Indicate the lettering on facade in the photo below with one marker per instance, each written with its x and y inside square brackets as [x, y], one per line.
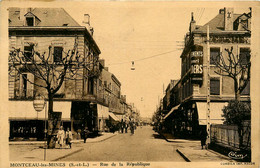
[231, 39]
[196, 66]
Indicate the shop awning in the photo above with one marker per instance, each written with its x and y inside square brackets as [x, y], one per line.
[24, 110]
[215, 112]
[103, 111]
[171, 111]
[112, 115]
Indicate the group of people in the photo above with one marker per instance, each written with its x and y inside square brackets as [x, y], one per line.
[124, 126]
[64, 138]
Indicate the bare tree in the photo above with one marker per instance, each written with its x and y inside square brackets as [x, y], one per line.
[51, 72]
[235, 67]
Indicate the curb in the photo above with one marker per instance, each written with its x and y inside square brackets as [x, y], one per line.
[182, 155]
[43, 142]
[81, 149]
[163, 137]
[102, 139]
[69, 154]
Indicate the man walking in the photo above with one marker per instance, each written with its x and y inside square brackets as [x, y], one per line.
[69, 137]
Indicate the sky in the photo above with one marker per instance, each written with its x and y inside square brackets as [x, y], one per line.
[149, 34]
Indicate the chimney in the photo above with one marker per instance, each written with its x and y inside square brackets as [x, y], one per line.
[23, 11]
[86, 19]
[221, 11]
[192, 23]
[91, 29]
[228, 18]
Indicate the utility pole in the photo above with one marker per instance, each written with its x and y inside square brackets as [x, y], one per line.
[208, 90]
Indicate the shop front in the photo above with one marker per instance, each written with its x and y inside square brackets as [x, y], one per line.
[191, 117]
[26, 123]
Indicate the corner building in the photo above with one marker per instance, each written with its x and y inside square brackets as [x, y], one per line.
[226, 30]
[77, 100]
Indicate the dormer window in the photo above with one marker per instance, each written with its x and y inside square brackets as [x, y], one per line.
[30, 21]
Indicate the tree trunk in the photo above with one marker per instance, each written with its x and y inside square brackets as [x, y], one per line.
[51, 128]
[237, 92]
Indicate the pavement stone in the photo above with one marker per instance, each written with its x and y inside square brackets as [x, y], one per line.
[34, 150]
[191, 151]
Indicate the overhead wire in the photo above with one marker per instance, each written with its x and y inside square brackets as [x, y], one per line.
[201, 15]
[145, 57]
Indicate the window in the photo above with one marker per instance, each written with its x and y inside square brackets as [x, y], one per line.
[244, 23]
[244, 56]
[30, 21]
[28, 53]
[24, 85]
[57, 54]
[246, 90]
[214, 55]
[214, 86]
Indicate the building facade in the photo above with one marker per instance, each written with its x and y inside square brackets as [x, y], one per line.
[226, 30]
[52, 30]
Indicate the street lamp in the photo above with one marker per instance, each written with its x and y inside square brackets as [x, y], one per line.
[39, 104]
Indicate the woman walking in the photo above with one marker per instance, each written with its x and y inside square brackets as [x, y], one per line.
[60, 136]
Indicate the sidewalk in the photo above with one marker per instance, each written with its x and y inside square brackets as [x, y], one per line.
[191, 151]
[34, 151]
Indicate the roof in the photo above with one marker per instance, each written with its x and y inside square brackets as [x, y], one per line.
[46, 16]
[216, 24]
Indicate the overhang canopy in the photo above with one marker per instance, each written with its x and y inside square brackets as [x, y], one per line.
[171, 111]
[215, 112]
[24, 110]
[112, 115]
[103, 112]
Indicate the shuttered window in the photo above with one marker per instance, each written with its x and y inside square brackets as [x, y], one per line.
[28, 53]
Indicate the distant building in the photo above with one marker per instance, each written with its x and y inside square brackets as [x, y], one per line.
[189, 94]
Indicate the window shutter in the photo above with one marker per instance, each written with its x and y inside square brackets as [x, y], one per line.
[30, 86]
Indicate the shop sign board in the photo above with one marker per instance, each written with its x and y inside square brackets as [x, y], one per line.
[196, 66]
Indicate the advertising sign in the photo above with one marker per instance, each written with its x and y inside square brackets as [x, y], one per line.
[196, 66]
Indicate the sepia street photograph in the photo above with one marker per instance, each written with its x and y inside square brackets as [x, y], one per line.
[129, 84]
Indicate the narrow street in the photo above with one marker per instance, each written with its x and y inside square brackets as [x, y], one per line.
[144, 145]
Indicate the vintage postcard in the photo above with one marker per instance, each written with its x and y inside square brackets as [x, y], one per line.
[129, 84]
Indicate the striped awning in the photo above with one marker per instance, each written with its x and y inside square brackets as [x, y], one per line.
[113, 116]
[215, 112]
[171, 111]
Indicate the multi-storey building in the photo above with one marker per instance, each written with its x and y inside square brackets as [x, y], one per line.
[226, 30]
[77, 99]
[111, 93]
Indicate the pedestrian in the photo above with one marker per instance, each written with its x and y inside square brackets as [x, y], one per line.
[132, 128]
[122, 127]
[126, 126]
[203, 136]
[60, 137]
[69, 137]
[85, 134]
